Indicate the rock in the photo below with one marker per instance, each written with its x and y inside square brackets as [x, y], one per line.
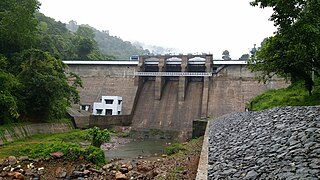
[57, 154]
[12, 160]
[124, 170]
[130, 167]
[107, 167]
[23, 158]
[77, 174]
[251, 175]
[61, 172]
[86, 172]
[15, 175]
[120, 176]
[280, 142]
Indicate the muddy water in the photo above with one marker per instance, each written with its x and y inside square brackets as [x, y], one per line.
[125, 148]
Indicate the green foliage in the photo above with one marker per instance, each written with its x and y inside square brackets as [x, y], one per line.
[294, 95]
[174, 148]
[17, 25]
[8, 100]
[113, 47]
[98, 136]
[226, 55]
[175, 173]
[42, 145]
[56, 39]
[46, 92]
[95, 155]
[293, 52]
[33, 84]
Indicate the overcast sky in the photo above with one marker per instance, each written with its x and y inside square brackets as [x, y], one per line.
[191, 26]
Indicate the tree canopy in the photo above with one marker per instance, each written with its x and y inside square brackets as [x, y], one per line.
[293, 52]
[226, 55]
[33, 84]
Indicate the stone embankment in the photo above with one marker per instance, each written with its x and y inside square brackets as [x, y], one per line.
[279, 143]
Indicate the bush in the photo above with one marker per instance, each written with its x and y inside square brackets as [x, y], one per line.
[95, 155]
[174, 148]
[98, 136]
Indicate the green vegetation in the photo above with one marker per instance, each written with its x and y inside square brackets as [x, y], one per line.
[112, 46]
[41, 145]
[34, 85]
[98, 136]
[174, 148]
[185, 148]
[293, 52]
[176, 173]
[294, 95]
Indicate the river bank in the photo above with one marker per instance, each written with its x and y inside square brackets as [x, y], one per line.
[181, 165]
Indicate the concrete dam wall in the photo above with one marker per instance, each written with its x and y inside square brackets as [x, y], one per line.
[168, 113]
[106, 80]
[233, 87]
[171, 104]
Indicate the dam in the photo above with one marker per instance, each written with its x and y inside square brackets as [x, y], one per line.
[168, 92]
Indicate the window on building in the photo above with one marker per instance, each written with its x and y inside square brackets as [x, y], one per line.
[85, 107]
[109, 101]
[108, 111]
[119, 102]
[99, 111]
[119, 112]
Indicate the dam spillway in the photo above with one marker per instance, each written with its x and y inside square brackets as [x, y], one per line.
[168, 113]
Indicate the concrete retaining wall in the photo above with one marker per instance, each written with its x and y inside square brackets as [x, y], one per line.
[108, 122]
[17, 132]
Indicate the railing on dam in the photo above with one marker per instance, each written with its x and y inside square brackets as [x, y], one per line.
[192, 74]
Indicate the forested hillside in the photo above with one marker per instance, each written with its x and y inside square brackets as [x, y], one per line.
[110, 45]
[55, 38]
[82, 42]
[33, 83]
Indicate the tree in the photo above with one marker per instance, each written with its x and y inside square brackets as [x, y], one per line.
[244, 57]
[17, 25]
[45, 90]
[226, 55]
[253, 51]
[293, 52]
[8, 100]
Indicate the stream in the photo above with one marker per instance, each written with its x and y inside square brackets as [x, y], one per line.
[126, 148]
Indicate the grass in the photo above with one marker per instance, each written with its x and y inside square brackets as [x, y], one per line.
[41, 145]
[294, 95]
[184, 148]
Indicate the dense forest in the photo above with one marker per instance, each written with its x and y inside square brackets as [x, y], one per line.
[111, 45]
[82, 42]
[33, 83]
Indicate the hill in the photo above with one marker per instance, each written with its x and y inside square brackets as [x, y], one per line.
[111, 45]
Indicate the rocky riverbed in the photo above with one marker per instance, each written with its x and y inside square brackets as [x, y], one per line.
[178, 166]
[279, 143]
